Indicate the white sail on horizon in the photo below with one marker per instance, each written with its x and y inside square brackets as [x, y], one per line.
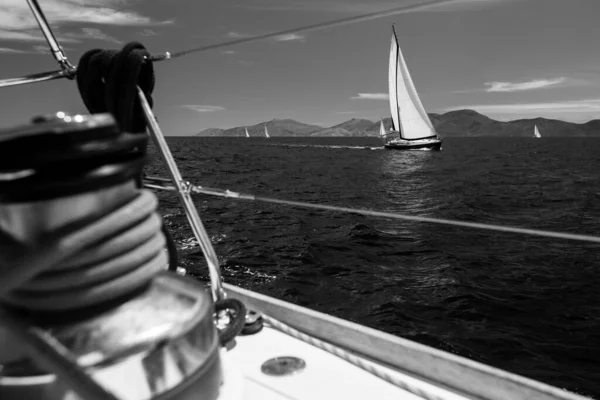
[267, 132]
[247, 134]
[409, 117]
[381, 129]
[536, 132]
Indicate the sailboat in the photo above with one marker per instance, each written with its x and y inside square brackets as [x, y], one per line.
[267, 133]
[88, 310]
[536, 132]
[382, 133]
[411, 127]
[247, 134]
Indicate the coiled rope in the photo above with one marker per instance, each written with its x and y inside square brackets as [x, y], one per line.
[107, 81]
[87, 265]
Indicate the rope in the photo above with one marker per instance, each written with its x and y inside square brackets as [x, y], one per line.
[353, 359]
[93, 263]
[237, 319]
[107, 81]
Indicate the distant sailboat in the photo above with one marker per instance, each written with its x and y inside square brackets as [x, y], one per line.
[536, 132]
[247, 134]
[381, 129]
[409, 119]
[267, 132]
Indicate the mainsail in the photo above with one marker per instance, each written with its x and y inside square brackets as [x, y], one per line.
[381, 129]
[247, 134]
[267, 132]
[536, 132]
[409, 118]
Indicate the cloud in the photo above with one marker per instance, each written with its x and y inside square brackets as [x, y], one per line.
[18, 23]
[522, 86]
[282, 38]
[9, 35]
[571, 109]
[290, 37]
[10, 50]
[200, 108]
[37, 49]
[237, 35]
[43, 49]
[228, 52]
[535, 84]
[371, 96]
[148, 32]
[96, 34]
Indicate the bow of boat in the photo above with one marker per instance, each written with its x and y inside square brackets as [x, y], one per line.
[319, 356]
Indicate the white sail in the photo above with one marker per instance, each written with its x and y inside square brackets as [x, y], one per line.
[247, 134]
[536, 132]
[267, 132]
[408, 115]
[381, 129]
[392, 79]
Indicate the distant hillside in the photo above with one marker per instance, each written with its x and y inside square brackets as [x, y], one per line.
[471, 123]
[462, 123]
[333, 131]
[355, 126]
[211, 132]
[276, 127]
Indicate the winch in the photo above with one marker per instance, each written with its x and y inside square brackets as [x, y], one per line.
[83, 269]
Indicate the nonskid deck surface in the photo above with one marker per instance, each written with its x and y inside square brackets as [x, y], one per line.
[325, 376]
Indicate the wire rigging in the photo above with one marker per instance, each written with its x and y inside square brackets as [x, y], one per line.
[308, 28]
[382, 214]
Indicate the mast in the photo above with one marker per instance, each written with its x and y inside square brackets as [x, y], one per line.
[392, 82]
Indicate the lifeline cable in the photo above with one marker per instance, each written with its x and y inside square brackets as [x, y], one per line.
[476, 225]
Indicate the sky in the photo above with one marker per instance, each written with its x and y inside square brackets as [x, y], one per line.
[507, 59]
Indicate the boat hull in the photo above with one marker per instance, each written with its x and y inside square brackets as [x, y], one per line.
[427, 144]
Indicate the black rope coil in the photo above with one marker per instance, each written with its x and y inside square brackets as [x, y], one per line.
[237, 315]
[107, 81]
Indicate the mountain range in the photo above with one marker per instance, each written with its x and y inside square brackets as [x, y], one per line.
[466, 123]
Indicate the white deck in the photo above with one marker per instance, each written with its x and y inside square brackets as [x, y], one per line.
[324, 377]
